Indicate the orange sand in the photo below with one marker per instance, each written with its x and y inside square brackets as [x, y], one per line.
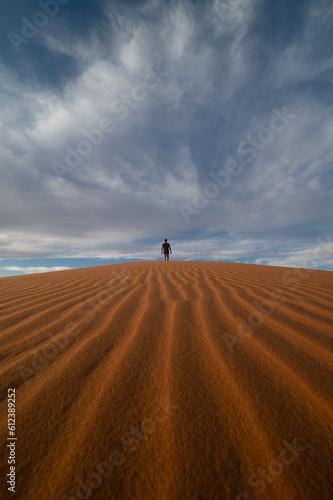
[145, 367]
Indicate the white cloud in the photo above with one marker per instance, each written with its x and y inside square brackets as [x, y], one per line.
[299, 61]
[316, 257]
[229, 16]
[34, 270]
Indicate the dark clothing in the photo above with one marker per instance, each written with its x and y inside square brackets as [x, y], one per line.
[166, 248]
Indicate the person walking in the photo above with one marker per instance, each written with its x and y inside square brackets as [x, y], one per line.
[165, 248]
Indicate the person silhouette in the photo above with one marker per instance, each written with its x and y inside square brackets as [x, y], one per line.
[165, 248]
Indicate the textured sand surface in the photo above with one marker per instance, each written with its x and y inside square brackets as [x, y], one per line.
[159, 380]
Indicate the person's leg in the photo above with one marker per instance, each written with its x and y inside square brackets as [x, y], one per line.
[167, 256]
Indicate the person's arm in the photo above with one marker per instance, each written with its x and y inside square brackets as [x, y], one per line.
[161, 249]
[170, 249]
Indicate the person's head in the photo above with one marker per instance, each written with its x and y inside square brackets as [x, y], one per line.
[165, 240]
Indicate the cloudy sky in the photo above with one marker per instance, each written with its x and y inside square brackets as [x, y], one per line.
[122, 123]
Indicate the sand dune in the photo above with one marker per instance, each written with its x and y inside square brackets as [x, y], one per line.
[178, 380]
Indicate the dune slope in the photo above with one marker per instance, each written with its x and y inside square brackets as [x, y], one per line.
[177, 380]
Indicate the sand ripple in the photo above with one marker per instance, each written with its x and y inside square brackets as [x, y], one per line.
[178, 380]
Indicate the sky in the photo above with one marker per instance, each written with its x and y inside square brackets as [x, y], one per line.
[127, 122]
